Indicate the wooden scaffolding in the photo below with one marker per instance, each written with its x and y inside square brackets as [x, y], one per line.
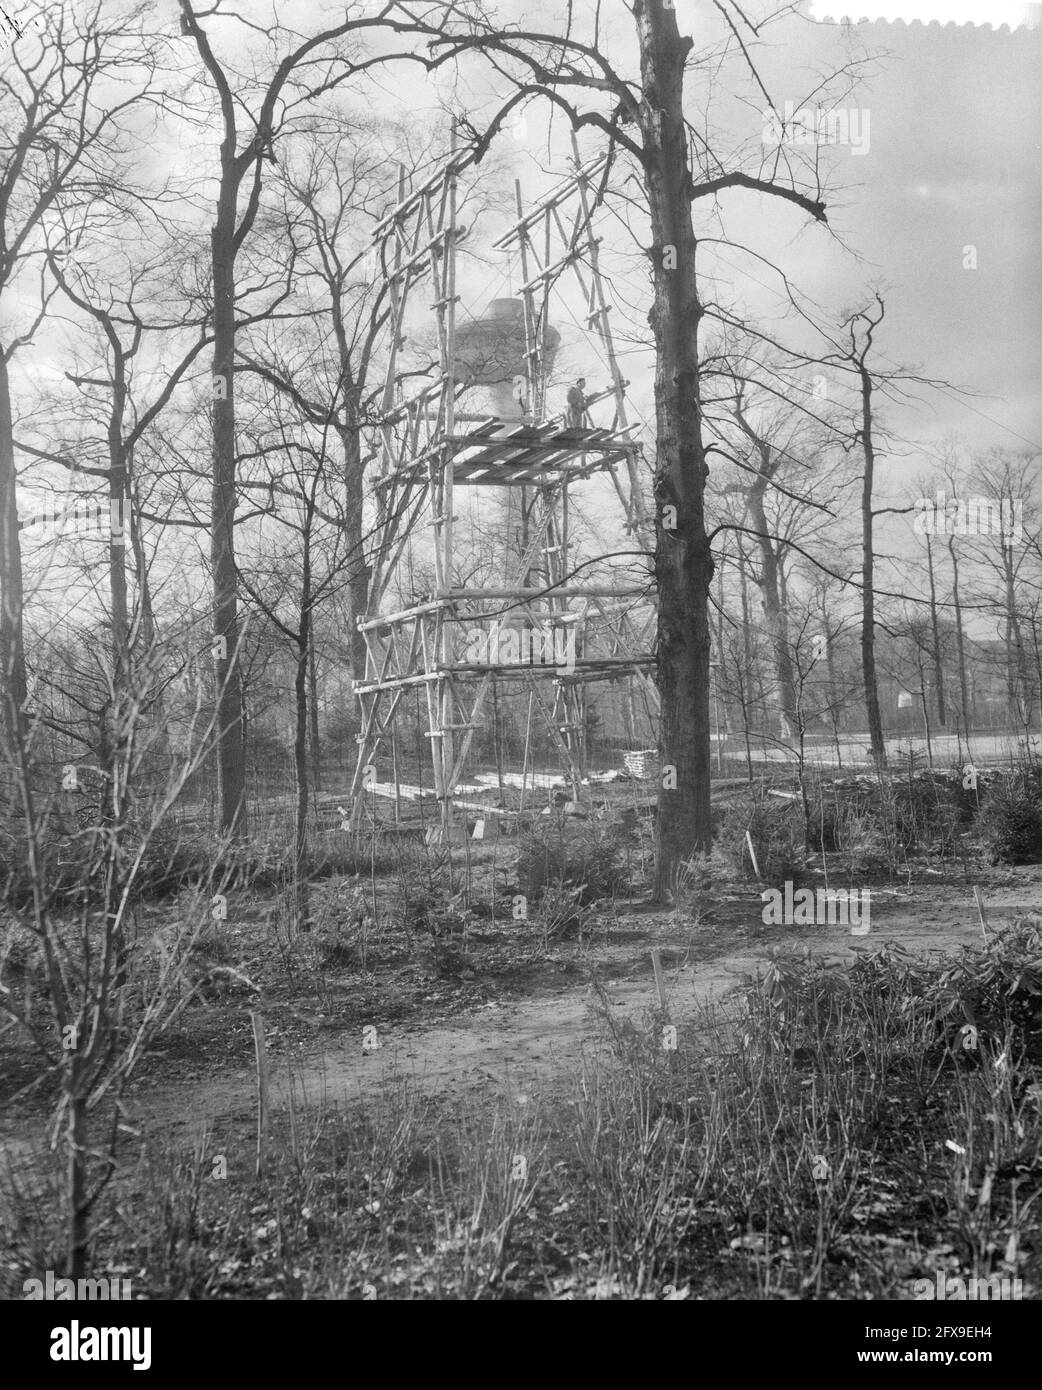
[545, 628]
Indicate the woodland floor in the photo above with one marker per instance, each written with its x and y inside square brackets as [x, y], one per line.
[483, 1021]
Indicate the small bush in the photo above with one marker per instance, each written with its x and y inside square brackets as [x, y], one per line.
[778, 834]
[1011, 819]
[565, 852]
[995, 989]
[929, 809]
[560, 912]
[172, 859]
[828, 822]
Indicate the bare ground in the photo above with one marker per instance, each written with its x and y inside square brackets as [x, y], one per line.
[505, 1045]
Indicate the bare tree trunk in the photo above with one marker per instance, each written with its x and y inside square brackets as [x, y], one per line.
[935, 633]
[301, 865]
[745, 728]
[771, 580]
[747, 640]
[1019, 709]
[683, 560]
[113, 717]
[868, 599]
[316, 751]
[831, 683]
[76, 1134]
[769, 584]
[12, 597]
[960, 641]
[926, 718]
[359, 573]
[720, 656]
[117, 481]
[300, 766]
[231, 768]
[1036, 650]
[144, 586]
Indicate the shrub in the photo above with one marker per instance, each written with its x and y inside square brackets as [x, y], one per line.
[828, 821]
[844, 818]
[172, 859]
[778, 834]
[929, 809]
[561, 913]
[995, 989]
[585, 856]
[1011, 818]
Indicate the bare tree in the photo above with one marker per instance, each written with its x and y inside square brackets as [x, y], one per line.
[643, 117]
[305, 507]
[999, 517]
[62, 136]
[861, 327]
[311, 67]
[65, 928]
[123, 411]
[333, 186]
[780, 459]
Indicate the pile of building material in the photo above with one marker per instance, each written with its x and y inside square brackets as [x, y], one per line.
[642, 763]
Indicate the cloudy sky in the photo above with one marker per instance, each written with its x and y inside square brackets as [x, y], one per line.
[936, 198]
[933, 193]
[954, 119]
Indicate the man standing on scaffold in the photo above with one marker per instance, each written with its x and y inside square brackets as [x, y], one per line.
[577, 405]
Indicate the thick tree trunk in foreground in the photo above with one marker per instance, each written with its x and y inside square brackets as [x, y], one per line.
[683, 562]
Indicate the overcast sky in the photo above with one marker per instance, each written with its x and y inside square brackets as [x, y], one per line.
[943, 174]
[937, 201]
[954, 116]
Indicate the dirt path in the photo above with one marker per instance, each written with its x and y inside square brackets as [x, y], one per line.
[504, 1047]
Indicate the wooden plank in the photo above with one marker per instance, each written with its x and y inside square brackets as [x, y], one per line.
[522, 227]
[547, 780]
[482, 807]
[564, 591]
[410, 793]
[549, 439]
[391, 619]
[394, 682]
